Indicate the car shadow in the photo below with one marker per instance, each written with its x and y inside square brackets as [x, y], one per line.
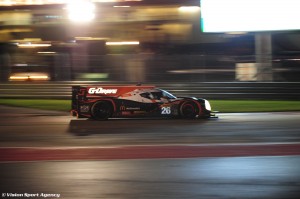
[85, 127]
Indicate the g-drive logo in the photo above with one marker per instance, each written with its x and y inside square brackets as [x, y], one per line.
[102, 91]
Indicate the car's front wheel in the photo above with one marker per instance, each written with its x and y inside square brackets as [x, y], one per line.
[101, 110]
[188, 110]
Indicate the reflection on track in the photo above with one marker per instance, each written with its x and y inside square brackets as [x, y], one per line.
[207, 178]
[125, 126]
[229, 128]
[32, 128]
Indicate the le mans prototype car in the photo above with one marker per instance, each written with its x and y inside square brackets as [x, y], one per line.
[103, 102]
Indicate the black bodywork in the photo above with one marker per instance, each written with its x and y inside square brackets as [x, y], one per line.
[160, 104]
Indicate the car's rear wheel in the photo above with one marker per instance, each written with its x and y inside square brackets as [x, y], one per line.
[188, 110]
[101, 110]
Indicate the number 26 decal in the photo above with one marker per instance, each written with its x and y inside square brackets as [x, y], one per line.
[165, 110]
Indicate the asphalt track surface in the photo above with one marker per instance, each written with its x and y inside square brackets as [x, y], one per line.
[242, 155]
[274, 177]
[32, 134]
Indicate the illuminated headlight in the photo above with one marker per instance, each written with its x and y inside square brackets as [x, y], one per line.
[207, 105]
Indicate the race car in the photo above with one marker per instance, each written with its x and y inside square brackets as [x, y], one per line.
[114, 101]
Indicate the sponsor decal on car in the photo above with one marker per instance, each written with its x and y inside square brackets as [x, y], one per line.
[102, 91]
[84, 108]
[133, 108]
[124, 108]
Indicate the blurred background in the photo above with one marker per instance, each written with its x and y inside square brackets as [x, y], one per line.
[133, 41]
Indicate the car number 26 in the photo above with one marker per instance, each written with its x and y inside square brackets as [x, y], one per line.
[165, 110]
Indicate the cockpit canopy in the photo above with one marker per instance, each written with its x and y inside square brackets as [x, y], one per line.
[157, 94]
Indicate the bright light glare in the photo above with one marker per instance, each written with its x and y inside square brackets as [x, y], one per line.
[7, 3]
[249, 15]
[35, 77]
[81, 11]
[46, 52]
[189, 9]
[30, 45]
[38, 77]
[121, 6]
[18, 77]
[120, 43]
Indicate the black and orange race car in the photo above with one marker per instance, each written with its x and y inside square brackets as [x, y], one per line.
[114, 101]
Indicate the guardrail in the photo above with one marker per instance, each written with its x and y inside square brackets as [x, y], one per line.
[208, 90]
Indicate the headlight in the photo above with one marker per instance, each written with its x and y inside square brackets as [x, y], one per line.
[207, 105]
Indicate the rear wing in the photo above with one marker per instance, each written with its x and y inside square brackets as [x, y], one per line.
[78, 94]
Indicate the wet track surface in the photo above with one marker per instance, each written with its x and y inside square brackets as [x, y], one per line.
[240, 177]
[236, 156]
[28, 127]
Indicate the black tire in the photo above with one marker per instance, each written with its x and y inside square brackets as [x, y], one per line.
[188, 110]
[101, 110]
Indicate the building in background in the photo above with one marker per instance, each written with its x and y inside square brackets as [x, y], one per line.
[138, 40]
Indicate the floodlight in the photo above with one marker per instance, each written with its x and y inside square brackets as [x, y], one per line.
[81, 11]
